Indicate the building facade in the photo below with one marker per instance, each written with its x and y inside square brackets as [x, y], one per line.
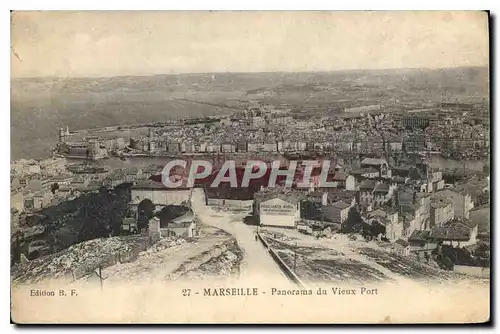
[280, 210]
[159, 194]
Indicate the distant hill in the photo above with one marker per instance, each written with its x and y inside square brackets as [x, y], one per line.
[40, 105]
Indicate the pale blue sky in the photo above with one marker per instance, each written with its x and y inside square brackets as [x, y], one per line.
[135, 43]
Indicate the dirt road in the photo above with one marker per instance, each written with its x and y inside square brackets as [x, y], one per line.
[257, 264]
[158, 265]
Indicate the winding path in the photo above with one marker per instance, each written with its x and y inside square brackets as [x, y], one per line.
[257, 264]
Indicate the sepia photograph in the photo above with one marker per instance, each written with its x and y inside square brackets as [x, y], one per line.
[250, 167]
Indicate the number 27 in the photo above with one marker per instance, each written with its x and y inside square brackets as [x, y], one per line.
[186, 292]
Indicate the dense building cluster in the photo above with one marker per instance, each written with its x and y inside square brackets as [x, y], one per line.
[462, 133]
[389, 203]
[371, 132]
[382, 189]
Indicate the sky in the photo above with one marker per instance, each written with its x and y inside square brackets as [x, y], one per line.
[100, 44]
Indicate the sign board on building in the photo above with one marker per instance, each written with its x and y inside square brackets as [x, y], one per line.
[277, 207]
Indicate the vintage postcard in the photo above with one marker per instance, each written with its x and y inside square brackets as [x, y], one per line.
[256, 167]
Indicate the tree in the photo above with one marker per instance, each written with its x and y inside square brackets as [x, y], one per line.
[145, 210]
[373, 230]
[16, 250]
[171, 212]
[427, 257]
[447, 262]
[63, 238]
[482, 255]
[94, 219]
[309, 210]
[54, 187]
[354, 222]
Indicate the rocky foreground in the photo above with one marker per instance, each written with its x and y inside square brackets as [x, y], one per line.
[213, 253]
[78, 258]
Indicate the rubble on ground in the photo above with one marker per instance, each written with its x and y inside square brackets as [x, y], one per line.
[356, 237]
[276, 235]
[221, 262]
[85, 254]
[350, 256]
[163, 244]
[340, 238]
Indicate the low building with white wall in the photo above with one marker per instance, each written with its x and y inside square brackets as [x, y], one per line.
[232, 199]
[183, 226]
[159, 194]
[278, 209]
